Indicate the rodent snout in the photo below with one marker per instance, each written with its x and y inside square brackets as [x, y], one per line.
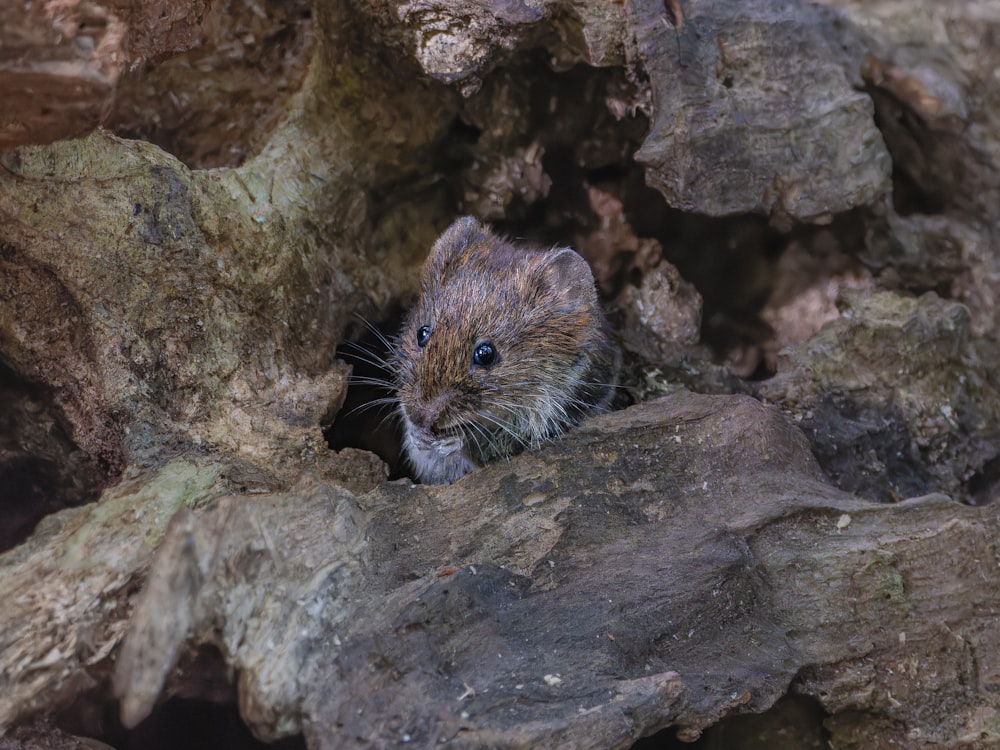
[426, 415]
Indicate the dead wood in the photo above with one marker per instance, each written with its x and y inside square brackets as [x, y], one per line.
[668, 564]
[799, 192]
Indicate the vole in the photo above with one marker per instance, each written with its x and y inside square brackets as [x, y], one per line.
[506, 348]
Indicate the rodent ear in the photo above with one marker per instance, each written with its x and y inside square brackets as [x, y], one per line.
[569, 275]
[453, 242]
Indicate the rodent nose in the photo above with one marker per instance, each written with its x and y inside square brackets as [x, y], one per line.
[427, 414]
[421, 419]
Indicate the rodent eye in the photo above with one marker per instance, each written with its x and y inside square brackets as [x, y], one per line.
[485, 354]
[423, 333]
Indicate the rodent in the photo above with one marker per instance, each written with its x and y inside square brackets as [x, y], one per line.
[506, 348]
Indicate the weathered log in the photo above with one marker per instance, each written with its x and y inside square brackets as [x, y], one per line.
[67, 591]
[897, 397]
[736, 126]
[668, 564]
[664, 566]
[62, 61]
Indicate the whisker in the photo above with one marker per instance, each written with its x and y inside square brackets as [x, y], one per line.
[367, 380]
[392, 415]
[473, 437]
[505, 427]
[481, 436]
[358, 353]
[367, 406]
[374, 330]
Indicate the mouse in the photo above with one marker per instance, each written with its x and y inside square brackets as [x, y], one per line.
[506, 348]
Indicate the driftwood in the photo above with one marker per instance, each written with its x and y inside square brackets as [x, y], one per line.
[696, 564]
[168, 365]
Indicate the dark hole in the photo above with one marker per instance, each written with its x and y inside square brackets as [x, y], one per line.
[916, 188]
[983, 487]
[41, 469]
[455, 150]
[614, 173]
[908, 198]
[200, 714]
[26, 485]
[732, 262]
[199, 725]
[366, 420]
[795, 722]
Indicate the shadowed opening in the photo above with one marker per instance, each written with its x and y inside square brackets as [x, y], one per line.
[42, 470]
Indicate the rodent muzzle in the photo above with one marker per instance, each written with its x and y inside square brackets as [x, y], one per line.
[427, 415]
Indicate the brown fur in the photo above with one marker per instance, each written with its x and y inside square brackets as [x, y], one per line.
[556, 361]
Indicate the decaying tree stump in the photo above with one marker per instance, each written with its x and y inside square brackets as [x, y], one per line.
[804, 193]
[696, 564]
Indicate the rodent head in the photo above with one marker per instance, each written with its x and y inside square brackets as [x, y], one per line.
[497, 353]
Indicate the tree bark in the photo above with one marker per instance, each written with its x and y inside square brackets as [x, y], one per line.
[168, 364]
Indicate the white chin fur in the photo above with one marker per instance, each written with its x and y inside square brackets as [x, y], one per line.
[435, 461]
